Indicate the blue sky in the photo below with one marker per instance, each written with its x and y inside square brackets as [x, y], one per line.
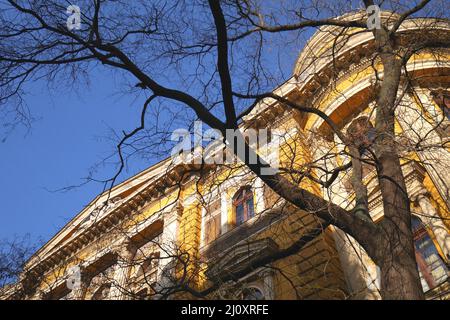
[65, 141]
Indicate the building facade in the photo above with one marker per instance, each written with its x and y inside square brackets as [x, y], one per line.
[186, 230]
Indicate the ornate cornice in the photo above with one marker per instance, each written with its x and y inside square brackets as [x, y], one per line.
[240, 256]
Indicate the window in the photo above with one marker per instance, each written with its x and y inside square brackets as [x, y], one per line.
[212, 228]
[243, 205]
[252, 293]
[212, 221]
[432, 268]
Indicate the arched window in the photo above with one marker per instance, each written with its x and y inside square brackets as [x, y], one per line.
[432, 268]
[252, 293]
[243, 205]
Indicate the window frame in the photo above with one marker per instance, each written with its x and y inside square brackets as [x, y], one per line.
[212, 221]
[241, 198]
[420, 233]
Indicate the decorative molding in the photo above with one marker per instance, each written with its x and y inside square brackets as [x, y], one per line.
[240, 256]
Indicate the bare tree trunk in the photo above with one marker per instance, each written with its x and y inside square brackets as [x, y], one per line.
[396, 259]
[399, 276]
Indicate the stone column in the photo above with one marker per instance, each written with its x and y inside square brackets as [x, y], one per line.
[124, 258]
[224, 205]
[203, 226]
[169, 242]
[432, 220]
[78, 293]
[77, 281]
[351, 254]
[436, 160]
[336, 193]
[268, 285]
[259, 195]
[354, 261]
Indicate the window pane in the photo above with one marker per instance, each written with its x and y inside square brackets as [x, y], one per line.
[432, 269]
[436, 266]
[425, 286]
[243, 205]
[212, 228]
[217, 224]
[240, 214]
[250, 209]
